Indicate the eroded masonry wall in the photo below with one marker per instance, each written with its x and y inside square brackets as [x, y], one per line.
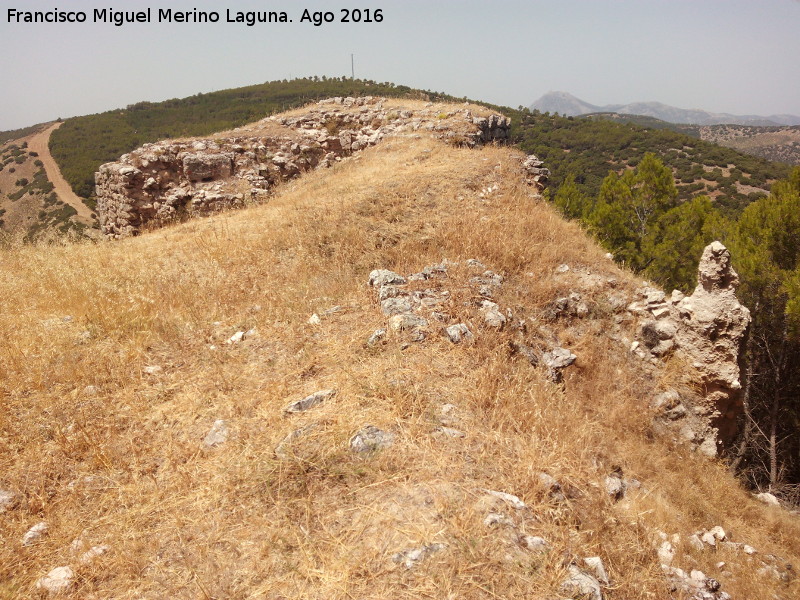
[170, 180]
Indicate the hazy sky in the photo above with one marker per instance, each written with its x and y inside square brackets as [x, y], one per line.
[723, 56]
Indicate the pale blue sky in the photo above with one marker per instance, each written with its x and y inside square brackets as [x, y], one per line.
[722, 56]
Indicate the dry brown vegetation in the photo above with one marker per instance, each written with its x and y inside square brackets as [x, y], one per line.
[124, 466]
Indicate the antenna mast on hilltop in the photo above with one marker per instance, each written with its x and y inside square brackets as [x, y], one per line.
[352, 68]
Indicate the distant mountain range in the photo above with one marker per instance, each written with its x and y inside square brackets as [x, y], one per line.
[567, 104]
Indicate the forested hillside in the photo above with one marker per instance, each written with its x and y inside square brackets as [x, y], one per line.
[587, 149]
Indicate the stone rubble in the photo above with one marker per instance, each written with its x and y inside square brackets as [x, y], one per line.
[370, 439]
[35, 534]
[309, 401]
[706, 329]
[217, 435]
[580, 585]
[168, 180]
[411, 557]
[7, 500]
[57, 581]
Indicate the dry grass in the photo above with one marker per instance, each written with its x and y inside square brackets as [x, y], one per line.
[125, 467]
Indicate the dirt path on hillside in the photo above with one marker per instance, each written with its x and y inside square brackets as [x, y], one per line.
[39, 144]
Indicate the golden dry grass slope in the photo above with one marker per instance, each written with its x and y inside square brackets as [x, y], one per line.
[104, 413]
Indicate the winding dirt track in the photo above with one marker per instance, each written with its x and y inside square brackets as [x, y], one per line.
[39, 144]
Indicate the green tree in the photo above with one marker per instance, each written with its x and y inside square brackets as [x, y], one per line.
[628, 208]
[765, 246]
[570, 200]
[674, 250]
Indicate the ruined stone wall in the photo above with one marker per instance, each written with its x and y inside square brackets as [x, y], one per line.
[170, 180]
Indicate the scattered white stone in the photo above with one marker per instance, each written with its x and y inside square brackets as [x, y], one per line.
[493, 519]
[7, 500]
[562, 268]
[457, 333]
[236, 338]
[615, 487]
[370, 438]
[378, 336]
[381, 277]
[768, 499]
[558, 358]
[309, 401]
[695, 542]
[718, 533]
[505, 497]
[698, 576]
[90, 390]
[450, 432]
[406, 322]
[666, 553]
[535, 543]
[492, 315]
[749, 550]
[411, 557]
[581, 585]
[92, 553]
[57, 581]
[397, 305]
[708, 538]
[595, 563]
[35, 534]
[609, 256]
[314, 319]
[152, 369]
[218, 434]
[475, 263]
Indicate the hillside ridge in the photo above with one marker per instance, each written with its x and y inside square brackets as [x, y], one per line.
[403, 376]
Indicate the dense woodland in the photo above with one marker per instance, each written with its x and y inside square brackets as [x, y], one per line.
[654, 197]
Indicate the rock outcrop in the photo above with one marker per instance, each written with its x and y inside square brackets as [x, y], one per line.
[161, 182]
[706, 329]
[712, 323]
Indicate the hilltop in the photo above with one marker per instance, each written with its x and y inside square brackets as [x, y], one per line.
[588, 150]
[404, 376]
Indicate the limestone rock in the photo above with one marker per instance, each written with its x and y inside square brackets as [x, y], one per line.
[7, 500]
[492, 315]
[93, 553]
[378, 336]
[711, 324]
[506, 497]
[370, 438]
[381, 277]
[458, 333]
[595, 564]
[579, 585]
[396, 306]
[57, 581]
[411, 557]
[309, 401]
[217, 435]
[764, 497]
[558, 358]
[407, 322]
[35, 534]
